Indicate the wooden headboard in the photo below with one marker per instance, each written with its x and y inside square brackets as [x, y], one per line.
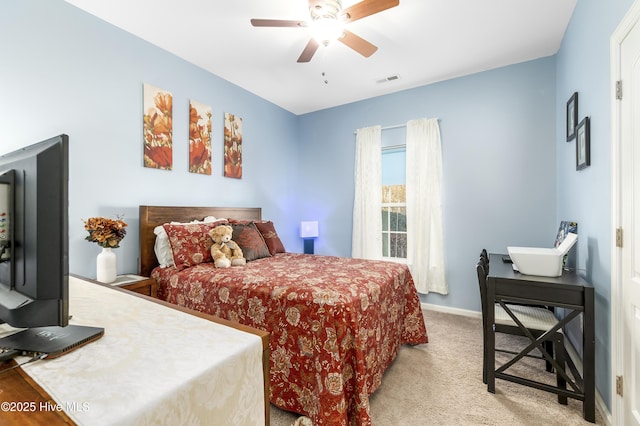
[152, 216]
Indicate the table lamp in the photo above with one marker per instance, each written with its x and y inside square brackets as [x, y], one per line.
[308, 232]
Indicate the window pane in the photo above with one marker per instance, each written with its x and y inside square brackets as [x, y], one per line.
[402, 219]
[393, 166]
[385, 244]
[393, 244]
[398, 245]
[385, 218]
[386, 194]
[397, 219]
[393, 226]
[402, 246]
[393, 194]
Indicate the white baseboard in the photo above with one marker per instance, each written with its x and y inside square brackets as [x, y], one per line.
[449, 310]
[600, 405]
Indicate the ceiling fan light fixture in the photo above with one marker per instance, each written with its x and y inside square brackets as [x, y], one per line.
[327, 21]
[325, 30]
[325, 9]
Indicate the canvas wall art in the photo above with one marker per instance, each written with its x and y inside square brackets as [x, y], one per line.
[199, 138]
[158, 128]
[232, 146]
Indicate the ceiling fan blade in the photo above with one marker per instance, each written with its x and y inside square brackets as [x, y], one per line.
[277, 23]
[358, 44]
[367, 7]
[309, 51]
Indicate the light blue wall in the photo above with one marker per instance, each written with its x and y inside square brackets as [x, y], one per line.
[583, 66]
[64, 71]
[498, 140]
[509, 175]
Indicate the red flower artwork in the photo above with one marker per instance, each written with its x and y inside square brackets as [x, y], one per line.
[159, 157]
[158, 128]
[199, 138]
[232, 146]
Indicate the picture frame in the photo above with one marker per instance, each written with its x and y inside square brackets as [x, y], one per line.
[572, 116]
[583, 144]
[565, 227]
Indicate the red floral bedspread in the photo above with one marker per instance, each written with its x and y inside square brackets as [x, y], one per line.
[336, 324]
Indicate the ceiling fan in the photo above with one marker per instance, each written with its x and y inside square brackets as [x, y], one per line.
[327, 22]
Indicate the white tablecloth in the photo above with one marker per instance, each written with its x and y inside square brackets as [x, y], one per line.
[153, 366]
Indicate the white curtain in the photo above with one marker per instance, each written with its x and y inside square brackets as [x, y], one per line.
[425, 243]
[366, 242]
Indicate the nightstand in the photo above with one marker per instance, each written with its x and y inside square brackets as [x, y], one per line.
[137, 284]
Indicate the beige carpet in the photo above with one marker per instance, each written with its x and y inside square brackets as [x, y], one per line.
[440, 383]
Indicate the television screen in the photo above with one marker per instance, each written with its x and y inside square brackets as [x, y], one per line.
[34, 244]
[6, 232]
[34, 235]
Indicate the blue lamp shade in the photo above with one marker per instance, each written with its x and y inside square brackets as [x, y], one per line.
[309, 229]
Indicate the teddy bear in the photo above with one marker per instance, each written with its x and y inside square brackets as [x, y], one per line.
[224, 250]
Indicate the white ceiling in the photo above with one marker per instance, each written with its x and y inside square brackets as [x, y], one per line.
[421, 41]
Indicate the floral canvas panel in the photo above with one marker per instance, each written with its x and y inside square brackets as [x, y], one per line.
[158, 128]
[232, 146]
[199, 138]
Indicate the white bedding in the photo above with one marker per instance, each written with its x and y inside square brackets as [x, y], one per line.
[153, 366]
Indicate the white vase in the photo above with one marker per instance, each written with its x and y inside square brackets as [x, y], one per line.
[106, 266]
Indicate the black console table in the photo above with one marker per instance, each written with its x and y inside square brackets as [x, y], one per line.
[567, 291]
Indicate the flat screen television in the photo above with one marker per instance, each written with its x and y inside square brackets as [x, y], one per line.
[34, 237]
[34, 264]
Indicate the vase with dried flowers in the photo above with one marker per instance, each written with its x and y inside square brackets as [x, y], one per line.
[107, 233]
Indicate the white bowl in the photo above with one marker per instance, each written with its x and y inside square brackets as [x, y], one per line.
[545, 262]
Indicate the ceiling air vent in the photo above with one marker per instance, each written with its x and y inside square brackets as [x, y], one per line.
[388, 79]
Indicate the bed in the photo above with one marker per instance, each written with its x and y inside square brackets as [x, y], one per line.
[335, 324]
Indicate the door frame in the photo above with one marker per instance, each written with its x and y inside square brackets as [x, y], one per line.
[631, 18]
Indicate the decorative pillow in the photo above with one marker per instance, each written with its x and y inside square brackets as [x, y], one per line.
[162, 247]
[250, 241]
[270, 236]
[190, 243]
[240, 221]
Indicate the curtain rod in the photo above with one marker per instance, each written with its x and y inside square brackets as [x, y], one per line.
[402, 145]
[396, 126]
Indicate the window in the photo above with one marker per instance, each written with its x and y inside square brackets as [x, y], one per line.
[394, 214]
[394, 222]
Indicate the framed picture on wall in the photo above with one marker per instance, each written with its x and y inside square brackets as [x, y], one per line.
[572, 116]
[583, 144]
